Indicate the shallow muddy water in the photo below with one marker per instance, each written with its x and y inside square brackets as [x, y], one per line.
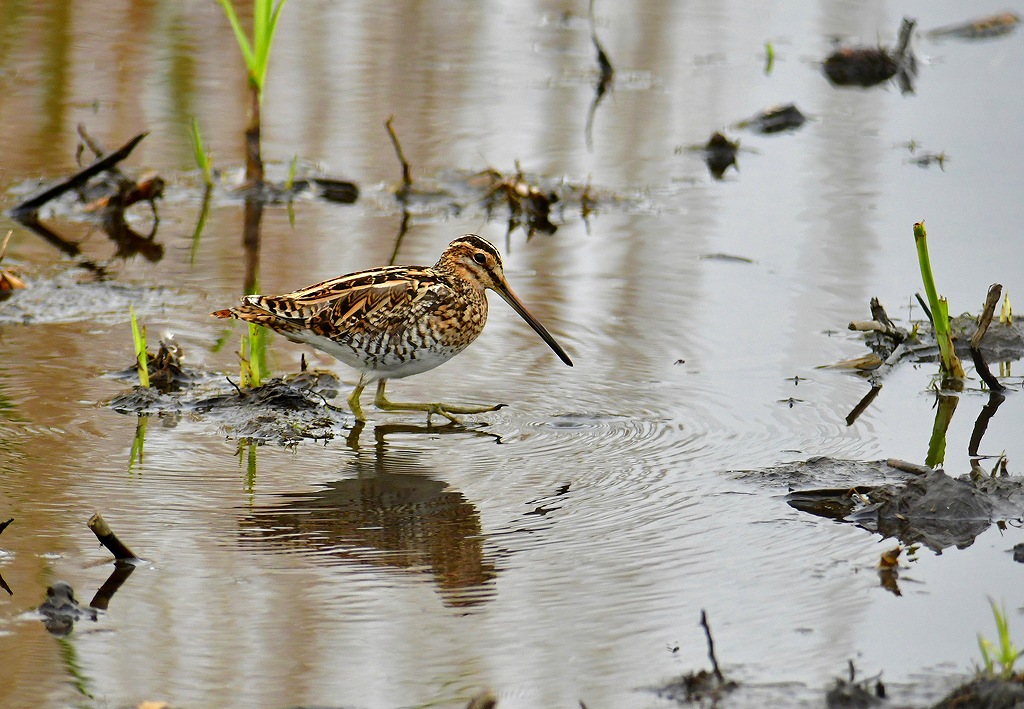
[561, 549]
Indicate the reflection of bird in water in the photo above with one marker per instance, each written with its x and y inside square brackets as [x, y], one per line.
[61, 610]
[396, 321]
[388, 519]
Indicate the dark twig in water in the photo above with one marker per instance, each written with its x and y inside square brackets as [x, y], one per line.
[122, 570]
[604, 81]
[88, 142]
[402, 229]
[863, 404]
[607, 70]
[107, 538]
[995, 398]
[924, 306]
[406, 171]
[711, 646]
[984, 320]
[27, 209]
[4, 525]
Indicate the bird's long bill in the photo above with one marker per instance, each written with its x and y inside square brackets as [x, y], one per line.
[506, 293]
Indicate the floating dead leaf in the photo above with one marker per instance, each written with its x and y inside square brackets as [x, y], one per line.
[890, 559]
[982, 28]
[775, 119]
[8, 281]
[865, 363]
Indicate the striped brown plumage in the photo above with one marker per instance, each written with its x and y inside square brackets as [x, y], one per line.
[393, 322]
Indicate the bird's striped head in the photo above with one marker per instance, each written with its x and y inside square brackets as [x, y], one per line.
[478, 261]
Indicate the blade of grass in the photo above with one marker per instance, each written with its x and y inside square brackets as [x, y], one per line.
[201, 156]
[243, 41]
[949, 362]
[257, 53]
[290, 181]
[139, 339]
[257, 352]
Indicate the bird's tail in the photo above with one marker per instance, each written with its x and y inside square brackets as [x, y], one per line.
[250, 312]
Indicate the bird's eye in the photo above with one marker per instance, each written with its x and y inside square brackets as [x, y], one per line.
[480, 258]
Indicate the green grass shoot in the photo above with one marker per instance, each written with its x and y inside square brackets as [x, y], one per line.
[949, 363]
[203, 161]
[292, 167]
[999, 660]
[253, 357]
[769, 58]
[141, 358]
[1006, 314]
[257, 53]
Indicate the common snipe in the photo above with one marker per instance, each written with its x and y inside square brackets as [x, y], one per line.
[397, 321]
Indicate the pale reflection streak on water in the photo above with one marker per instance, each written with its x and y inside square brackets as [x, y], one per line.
[557, 552]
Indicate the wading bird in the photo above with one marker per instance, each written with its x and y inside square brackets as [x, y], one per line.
[393, 322]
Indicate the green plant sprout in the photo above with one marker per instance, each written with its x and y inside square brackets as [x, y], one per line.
[252, 357]
[1006, 313]
[203, 161]
[257, 53]
[266, 13]
[141, 358]
[289, 183]
[949, 363]
[769, 58]
[998, 661]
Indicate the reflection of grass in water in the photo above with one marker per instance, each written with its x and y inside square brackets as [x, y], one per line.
[9, 414]
[248, 452]
[8, 411]
[943, 417]
[204, 212]
[138, 443]
[69, 654]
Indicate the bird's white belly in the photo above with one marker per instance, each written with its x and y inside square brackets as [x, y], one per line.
[378, 360]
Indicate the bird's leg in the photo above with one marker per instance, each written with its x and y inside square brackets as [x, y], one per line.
[441, 409]
[353, 400]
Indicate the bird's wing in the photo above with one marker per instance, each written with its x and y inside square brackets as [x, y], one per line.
[382, 300]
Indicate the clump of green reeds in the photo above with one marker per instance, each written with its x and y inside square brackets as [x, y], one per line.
[949, 363]
[141, 358]
[999, 661]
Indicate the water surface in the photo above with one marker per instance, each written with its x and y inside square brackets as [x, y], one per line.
[560, 549]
